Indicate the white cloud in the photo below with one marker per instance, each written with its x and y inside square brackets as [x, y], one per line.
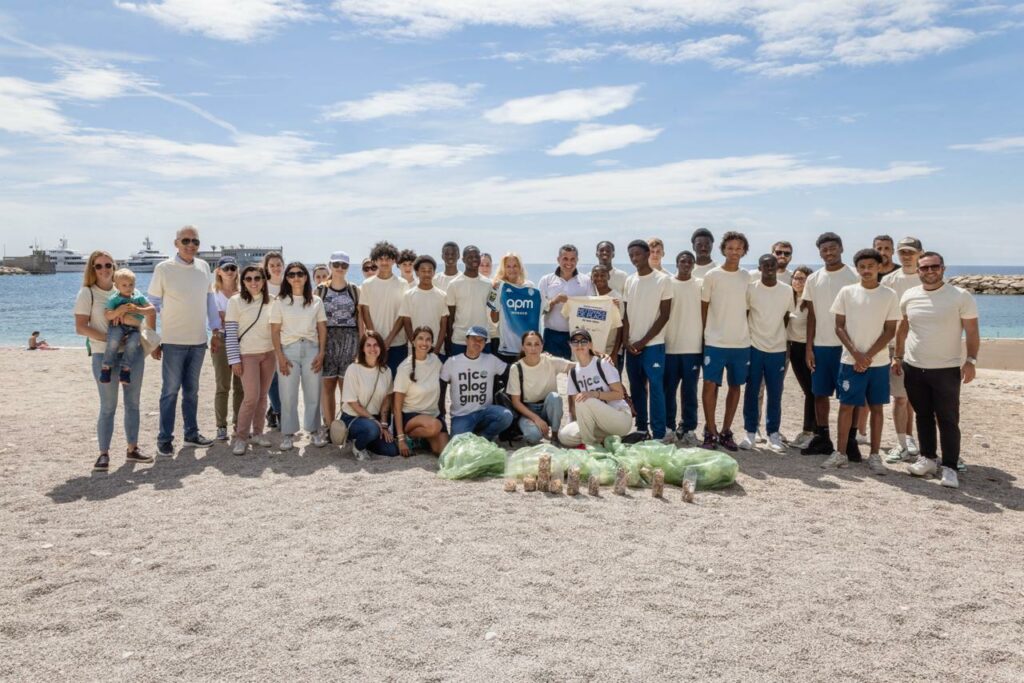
[706, 49]
[25, 108]
[96, 83]
[895, 45]
[573, 55]
[590, 139]
[565, 105]
[236, 20]
[403, 102]
[998, 144]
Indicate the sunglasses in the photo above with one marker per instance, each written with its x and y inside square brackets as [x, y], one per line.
[929, 268]
[103, 266]
[189, 240]
[369, 269]
[340, 264]
[780, 252]
[294, 274]
[253, 278]
[229, 269]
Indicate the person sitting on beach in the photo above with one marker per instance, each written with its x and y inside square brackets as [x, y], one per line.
[417, 393]
[365, 402]
[127, 308]
[37, 344]
[472, 376]
[597, 399]
[533, 388]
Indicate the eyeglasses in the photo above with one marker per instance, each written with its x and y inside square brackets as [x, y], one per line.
[782, 252]
[253, 278]
[369, 269]
[340, 264]
[926, 269]
[292, 274]
[189, 240]
[578, 342]
[102, 266]
[229, 269]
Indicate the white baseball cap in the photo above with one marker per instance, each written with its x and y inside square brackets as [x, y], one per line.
[339, 257]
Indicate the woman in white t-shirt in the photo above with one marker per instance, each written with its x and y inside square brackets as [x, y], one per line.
[796, 335]
[366, 399]
[533, 388]
[597, 399]
[91, 323]
[250, 353]
[417, 391]
[298, 328]
[225, 286]
[273, 270]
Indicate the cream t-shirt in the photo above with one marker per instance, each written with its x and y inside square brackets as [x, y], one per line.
[182, 289]
[469, 297]
[797, 330]
[900, 282]
[257, 338]
[92, 301]
[422, 395]
[933, 341]
[297, 321]
[821, 290]
[768, 307]
[866, 311]
[683, 333]
[617, 279]
[726, 295]
[700, 271]
[643, 296]
[424, 308]
[369, 387]
[540, 380]
[441, 281]
[384, 298]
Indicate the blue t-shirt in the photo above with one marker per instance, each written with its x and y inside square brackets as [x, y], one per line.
[117, 299]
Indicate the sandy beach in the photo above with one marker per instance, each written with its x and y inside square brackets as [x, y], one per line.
[309, 565]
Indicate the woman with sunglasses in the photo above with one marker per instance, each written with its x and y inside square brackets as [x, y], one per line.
[250, 353]
[369, 268]
[597, 399]
[91, 322]
[796, 335]
[225, 286]
[341, 306]
[298, 328]
[366, 399]
[273, 270]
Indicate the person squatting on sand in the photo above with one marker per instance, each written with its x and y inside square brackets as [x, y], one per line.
[417, 392]
[533, 388]
[366, 399]
[597, 399]
[471, 378]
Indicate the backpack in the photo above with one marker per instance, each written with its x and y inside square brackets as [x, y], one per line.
[600, 371]
[502, 399]
[353, 291]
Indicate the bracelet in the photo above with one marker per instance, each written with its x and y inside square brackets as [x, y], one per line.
[400, 436]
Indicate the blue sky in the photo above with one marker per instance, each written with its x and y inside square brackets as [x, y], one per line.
[514, 124]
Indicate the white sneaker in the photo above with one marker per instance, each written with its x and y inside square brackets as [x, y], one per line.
[287, 442]
[775, 442]
[862, 439]
[239, 447]
[361, 454]
[836, 460]
[319, 440]
[876, 466]
[924, 467]
[748, 441]
[949, 478]
[688, 438]
[912, 446]
[897, 454]
[260, 440]
[802, 439]
[758, 438]
[669, 438]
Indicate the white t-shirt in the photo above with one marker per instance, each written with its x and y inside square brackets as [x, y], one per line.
[92, 301]
[700, 271]
[933, 341]
[182, 289]
[471, 381]
[369, 387]
[821, 290]
[424, 308]
[222, 301]
[617, 279]
[599, 315]
[540, 380]
[643, 296]
[768, 307]
[726, 294]
[683, 333]
[383, 298]
[900, 282]
[273, 290]
[422, 395]
[297, 321]
[589, 379]
[785, 276]
[866, 311]
[257, 338]
[797, 330]
[469, 297]
[441, 281]
[550, 286]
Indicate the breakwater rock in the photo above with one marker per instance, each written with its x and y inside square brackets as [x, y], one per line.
[10, 270]
[990, 284]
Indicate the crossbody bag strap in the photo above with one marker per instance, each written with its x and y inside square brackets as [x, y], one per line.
[262, 303]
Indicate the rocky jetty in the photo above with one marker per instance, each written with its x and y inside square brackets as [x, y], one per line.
[11, 270]
[990, 284]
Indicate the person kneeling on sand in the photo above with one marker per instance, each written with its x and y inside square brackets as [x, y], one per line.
[471, 377]
[533, 388]
[417, 393]
[597, 399]
[365, 399]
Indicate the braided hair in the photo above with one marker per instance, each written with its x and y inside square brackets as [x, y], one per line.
[416, 333]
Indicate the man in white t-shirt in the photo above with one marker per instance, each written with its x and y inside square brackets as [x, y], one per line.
[824, 349]
[866, 316]
[600, 285]
[648, 298]
[380, 300]
[769, 304]
[471, 376]
[723, 296]
[684, 346]
[901, 280]
[180, 291]
[450, 259]
[466, 299]
[702, 242]
[935, 316]
[425, 304]
[605, 255]
[555, 289]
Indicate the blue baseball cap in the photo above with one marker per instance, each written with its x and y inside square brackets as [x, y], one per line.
[227, 261]
[477, 331]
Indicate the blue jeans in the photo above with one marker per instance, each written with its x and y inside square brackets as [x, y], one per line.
[647, 375]
[396, 354]
[365, 434]
[108, 402]
[488, 422]
[182, 364]
[274, 395]
[550, 411]
[682, 368]
[301, 354]
[557, 344]
[770, 367]
[132, 338]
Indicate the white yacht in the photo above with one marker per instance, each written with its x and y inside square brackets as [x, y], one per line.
[145, 259]
[65, 260]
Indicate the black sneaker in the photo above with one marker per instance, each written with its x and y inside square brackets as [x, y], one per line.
[273, 420]
[726, 441]
[852, 449]
[102, 464]
[125, 376]
[104, 375]
[198, 440]
[819, 445]
[138, 456]
[166, 448]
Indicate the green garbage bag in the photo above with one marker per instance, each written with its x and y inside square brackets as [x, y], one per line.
[468, 456]
[714, 469]
[524, 461]
[632, 462]
[613, 444]
[604, 468]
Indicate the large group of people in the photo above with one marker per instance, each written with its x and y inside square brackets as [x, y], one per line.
[419, 353]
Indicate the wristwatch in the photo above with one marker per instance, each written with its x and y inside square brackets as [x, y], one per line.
[972, 360]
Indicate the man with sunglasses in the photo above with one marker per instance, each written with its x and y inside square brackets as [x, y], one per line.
[180, 290]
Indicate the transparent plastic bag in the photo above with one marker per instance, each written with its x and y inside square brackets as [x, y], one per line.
[468, 456]
[524, 461]
[713, 469]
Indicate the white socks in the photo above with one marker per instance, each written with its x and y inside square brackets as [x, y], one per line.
[902, 438]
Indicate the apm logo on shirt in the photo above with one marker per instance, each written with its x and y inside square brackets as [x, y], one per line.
[472, 387]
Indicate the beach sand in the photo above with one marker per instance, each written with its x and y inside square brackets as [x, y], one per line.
[310, 565]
